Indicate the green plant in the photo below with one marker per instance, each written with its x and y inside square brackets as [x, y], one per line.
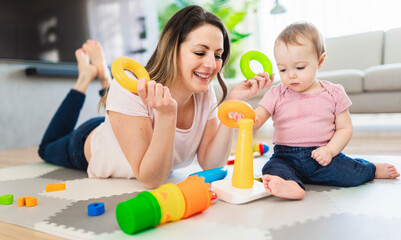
[228, 14]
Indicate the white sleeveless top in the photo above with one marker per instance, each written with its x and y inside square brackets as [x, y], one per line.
[108, 160]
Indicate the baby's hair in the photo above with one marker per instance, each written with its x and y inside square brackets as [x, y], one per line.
[290, 36]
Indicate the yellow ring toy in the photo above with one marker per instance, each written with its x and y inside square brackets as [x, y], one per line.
[234, 106]
[120, 64]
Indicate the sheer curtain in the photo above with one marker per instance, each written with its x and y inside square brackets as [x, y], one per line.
[332, 17]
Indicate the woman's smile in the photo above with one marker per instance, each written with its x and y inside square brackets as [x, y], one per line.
[202, 76]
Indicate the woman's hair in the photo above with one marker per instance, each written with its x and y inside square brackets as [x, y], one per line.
[163, 64]
[290, 36]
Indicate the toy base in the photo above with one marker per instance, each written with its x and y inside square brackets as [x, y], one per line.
[226, 192]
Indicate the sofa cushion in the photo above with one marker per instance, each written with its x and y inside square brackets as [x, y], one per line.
[392, 46]
[357, 51]
[350, 79]
[376, 102]
[383, 78]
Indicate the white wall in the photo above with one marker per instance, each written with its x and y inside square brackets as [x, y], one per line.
[27, 104]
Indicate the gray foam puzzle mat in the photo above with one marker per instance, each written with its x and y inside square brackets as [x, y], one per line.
[369, 211]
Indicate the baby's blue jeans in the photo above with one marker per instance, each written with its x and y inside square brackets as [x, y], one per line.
[296, 164]
[61, 144]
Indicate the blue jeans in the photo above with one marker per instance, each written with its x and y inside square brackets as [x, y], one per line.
[61, 144]
[296, 164]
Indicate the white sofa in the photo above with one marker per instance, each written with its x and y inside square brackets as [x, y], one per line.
[368, 65]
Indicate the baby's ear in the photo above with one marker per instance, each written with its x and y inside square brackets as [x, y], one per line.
[321, 59]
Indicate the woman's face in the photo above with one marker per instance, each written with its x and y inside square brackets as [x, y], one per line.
[200, 58]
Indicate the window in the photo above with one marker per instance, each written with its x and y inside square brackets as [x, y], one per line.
[332, 17]
[124, 27]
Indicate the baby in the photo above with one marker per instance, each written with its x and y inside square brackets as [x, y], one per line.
[312, 124]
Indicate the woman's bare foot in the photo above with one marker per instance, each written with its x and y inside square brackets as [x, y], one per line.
[96, 56]
[86, 71]
[385, 170]
[279, 187]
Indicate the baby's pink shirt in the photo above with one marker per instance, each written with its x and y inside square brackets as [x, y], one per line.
[305, 120]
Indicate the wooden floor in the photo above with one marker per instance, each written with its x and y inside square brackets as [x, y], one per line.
[378, 134]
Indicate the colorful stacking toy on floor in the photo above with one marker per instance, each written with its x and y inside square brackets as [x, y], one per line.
[260, 148]
[169, 202]
[257, 56]
[7, 199]
[212, 175]
[242, 187]
[118, 68]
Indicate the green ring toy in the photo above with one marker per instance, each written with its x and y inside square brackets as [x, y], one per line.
[258, 56]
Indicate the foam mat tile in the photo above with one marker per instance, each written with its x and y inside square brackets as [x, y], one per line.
[64, 174]
[325, 212]
[24, 187]
[63, 232]
[342, 226]
[319, 188]
[188, 229]
[371, 199]
[26, 171]
[28, 216]
[268, 213]
[76, 215]
[83, 189]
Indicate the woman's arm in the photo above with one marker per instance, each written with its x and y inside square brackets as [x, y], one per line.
[149, 151]
[217, 139]
[215, 145]
[323, 155]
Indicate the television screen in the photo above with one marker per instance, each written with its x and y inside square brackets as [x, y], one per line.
[51, 30]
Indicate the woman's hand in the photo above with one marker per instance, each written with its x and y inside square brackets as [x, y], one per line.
[156, 96]
[250, 88]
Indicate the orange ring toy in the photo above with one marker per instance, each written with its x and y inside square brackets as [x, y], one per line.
[120, 64]
[234, 106]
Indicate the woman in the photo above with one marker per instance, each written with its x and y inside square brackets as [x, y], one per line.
[171, 120]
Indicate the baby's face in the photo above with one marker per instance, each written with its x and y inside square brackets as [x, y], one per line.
[297, 65]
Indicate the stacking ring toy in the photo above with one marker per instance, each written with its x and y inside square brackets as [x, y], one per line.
[120, 64]
[258, 56]
[95, 209]
[234, 106]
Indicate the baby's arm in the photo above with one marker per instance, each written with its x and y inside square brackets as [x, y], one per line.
[262, 115]
[323, 155]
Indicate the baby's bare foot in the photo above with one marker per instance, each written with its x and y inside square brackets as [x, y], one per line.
[385, 170]
[86, 71]
[96, 56]
[282, 188]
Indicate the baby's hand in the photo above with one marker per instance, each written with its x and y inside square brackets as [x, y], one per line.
[236, 116]
[322, 155]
